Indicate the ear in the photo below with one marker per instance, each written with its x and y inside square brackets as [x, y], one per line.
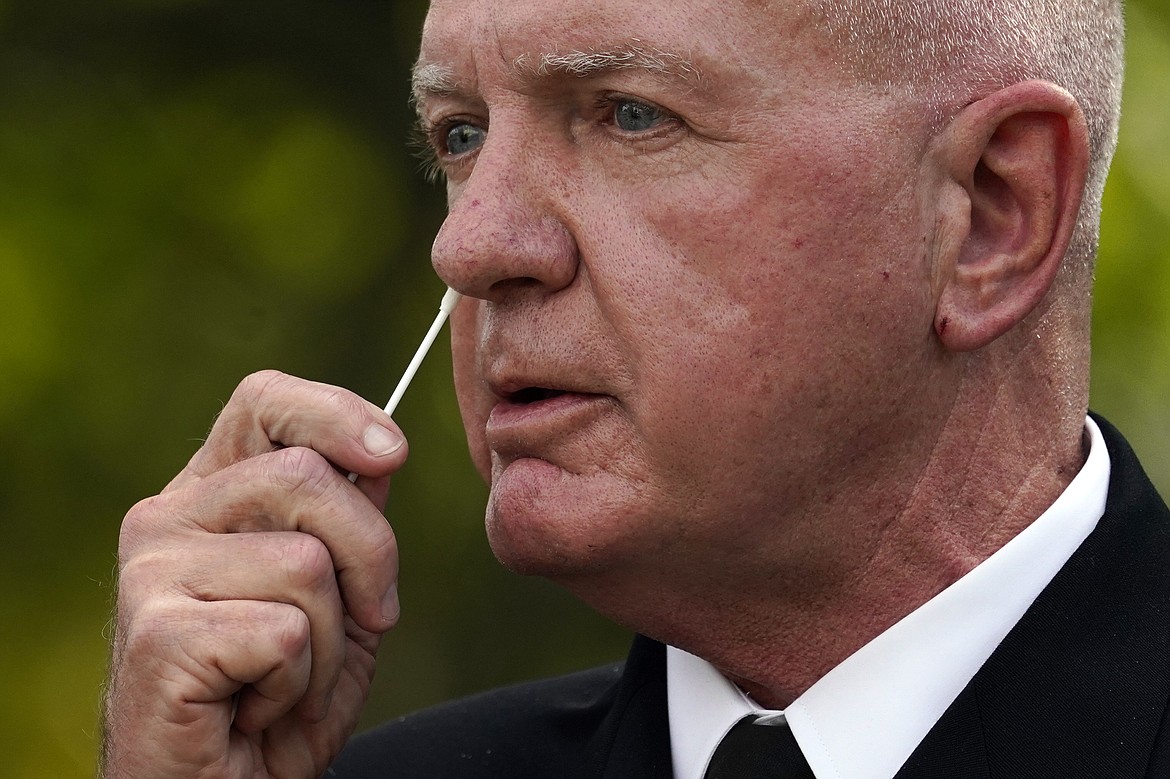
[1011, 171]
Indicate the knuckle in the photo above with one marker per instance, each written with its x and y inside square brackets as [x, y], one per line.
[149, 589]
[343, 403]
[237, 430]
[290, 631]
[384, 544]
[252, 393]
[308, 563]
[141, 522]
[154, 629]
[302, 470]
[257, 386]
[142, 572]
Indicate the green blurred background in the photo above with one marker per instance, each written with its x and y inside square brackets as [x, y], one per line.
[191, 191]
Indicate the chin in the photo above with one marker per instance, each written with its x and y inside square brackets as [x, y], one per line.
[531, 545]
[556, 540]
[547, 520]
[601, 567]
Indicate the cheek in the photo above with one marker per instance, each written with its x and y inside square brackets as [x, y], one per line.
[764, 305]
[806, 241]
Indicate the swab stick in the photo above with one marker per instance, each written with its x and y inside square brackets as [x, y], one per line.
[446, 305]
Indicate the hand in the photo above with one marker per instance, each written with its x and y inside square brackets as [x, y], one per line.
[254, 591]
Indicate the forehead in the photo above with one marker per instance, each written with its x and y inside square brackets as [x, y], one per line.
[680, 37]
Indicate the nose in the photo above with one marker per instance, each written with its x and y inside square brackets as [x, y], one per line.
[506, 227]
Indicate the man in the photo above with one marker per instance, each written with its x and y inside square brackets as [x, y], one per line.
[774, 348]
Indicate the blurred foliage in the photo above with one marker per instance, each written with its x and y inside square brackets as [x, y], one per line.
[193, 190]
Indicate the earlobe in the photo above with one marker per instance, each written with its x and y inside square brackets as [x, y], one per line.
[1014, 165]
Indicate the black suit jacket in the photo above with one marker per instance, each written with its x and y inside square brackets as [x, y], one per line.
[1079, 688]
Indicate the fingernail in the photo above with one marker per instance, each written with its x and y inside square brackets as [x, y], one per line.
[391, 608]
[380, 441]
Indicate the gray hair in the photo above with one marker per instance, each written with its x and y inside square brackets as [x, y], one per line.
[955, 51]
[632, 56]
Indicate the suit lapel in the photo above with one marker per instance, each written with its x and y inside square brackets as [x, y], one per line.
[1079, 687]
[955, 747]
[634, 738]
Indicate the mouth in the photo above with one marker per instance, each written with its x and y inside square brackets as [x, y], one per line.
[522, 411]
[528, 395]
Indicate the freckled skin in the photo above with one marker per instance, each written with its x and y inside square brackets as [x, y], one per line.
[734, 359]
[696, 408]
[766, 413]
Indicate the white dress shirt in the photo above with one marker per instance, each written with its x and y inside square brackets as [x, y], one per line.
[864, 718]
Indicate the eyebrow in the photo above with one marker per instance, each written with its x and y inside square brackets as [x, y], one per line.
[631, 56]
[429, 79]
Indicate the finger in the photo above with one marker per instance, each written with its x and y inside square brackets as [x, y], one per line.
[376, 489]
[292, 568]
[289, 490]
[289, 746]
[265, 646]
[181, 661]
[270, 410]
[278, 674]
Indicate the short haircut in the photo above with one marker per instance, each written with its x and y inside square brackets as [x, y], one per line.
[956, 51]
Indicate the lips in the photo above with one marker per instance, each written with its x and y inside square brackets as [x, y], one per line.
[529, 403]
[543, 389]
[532, 395]
[525, 390]
[526, 417]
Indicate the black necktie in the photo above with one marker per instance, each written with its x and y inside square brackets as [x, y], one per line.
[758, 751]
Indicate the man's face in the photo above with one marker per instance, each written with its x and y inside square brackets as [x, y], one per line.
[699, 305]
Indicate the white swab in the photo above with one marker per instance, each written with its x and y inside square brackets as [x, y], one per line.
[446, 305]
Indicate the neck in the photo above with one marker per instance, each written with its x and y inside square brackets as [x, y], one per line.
[941, 534]
[865, 559]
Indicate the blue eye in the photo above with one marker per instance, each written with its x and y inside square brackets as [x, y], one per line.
[634, 117]
[464, 138]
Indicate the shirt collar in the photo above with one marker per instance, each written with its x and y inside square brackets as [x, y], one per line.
[864, 718]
